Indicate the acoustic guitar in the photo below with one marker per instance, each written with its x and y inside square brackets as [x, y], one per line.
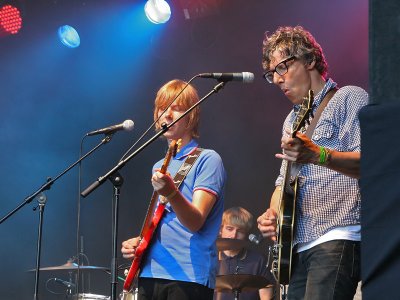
[287, 201]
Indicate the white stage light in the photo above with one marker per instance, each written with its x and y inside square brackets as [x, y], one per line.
[157, 11]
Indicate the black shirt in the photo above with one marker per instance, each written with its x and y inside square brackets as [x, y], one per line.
[245, 262]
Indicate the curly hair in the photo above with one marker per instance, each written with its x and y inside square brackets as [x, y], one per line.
[167, 93]
[294, 41]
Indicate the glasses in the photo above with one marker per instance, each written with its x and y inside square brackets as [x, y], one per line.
[280, 68]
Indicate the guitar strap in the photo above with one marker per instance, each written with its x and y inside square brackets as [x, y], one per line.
[182, 172]
[295, 169]
[186, 166]
[322, 105]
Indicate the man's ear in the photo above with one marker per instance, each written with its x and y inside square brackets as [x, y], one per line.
[311, 65]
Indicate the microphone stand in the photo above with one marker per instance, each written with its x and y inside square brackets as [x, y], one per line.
[117, 181]
[42, 201]
[122, 163]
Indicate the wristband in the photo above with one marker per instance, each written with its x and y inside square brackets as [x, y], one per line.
[328, 156]
[322, 155]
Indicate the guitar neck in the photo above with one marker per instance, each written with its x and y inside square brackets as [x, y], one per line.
[173, 146]
[149, 214]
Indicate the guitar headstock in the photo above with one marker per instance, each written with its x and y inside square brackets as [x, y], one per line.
[303, 114]
[177, 147]
[173, 148]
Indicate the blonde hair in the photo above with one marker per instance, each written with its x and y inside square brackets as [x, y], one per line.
[167, 93]
[294, 41]
[238, 216]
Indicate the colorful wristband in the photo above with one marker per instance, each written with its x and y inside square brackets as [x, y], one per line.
[322, 155]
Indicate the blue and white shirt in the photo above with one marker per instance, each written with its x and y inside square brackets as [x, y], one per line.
[176, 253]
[327, 199]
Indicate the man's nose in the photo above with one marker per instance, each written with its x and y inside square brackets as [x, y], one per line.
[168, 113]
[277, 78]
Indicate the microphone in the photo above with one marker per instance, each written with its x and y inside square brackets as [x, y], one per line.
[256, 239]
[245, 77]
[63, 282]
[126, 125]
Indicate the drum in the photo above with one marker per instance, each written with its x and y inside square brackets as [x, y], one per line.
[90, 297]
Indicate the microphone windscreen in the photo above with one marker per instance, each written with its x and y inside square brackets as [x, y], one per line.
[254, 239]
[128, 125]
[248, 77]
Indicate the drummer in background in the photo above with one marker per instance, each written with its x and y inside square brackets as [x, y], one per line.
[236, 224]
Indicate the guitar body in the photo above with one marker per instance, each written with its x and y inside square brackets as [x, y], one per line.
[143, 245]
[287, 214]
[282, 265]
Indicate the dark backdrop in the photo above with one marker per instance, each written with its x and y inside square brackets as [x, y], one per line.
[51, 96]
[380, 244]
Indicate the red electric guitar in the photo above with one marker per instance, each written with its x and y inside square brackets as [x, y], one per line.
[153, 217]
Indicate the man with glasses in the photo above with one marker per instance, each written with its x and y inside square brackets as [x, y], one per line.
[327, 231]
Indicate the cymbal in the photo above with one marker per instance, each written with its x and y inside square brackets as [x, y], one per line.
[69, 266]
[231, 244]
[241, 282]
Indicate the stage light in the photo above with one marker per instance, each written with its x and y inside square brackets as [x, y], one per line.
[69, 36]
[10, 19]
[157, 11]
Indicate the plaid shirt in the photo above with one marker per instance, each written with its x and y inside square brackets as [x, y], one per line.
[327, 199]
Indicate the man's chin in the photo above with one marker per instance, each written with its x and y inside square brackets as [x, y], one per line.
[169, 136]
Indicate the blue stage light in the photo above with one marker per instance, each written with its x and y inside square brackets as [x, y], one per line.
[157, 11]
[69, 36]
